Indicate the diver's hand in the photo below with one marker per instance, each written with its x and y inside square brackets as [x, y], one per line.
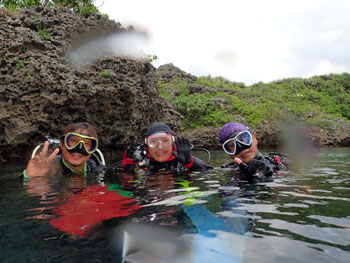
[40, 164]
[183, 147]
[254, 168]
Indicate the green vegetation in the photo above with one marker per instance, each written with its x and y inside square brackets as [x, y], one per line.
[200, 110]
[43, 32]
[119, 25]
[105, 73]
[19, 65]
[77, 6]
[151, 58]
[319, 101]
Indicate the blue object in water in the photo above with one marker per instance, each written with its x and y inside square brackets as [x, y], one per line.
[216, 241]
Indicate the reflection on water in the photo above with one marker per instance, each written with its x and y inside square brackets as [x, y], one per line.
[301, 216]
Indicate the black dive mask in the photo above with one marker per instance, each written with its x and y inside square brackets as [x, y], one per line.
[78, 149]
[241, 147]
[80, 143]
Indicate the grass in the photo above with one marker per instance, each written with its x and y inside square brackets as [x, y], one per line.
[19, 65]
[105, 73]
[319, 101]
[43, 32]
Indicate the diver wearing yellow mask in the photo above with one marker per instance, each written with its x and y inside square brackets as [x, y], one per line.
[78, 143]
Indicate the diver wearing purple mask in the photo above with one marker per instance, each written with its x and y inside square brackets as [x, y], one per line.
[241, 144]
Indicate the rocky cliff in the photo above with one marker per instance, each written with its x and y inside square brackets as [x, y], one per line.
[41, 93]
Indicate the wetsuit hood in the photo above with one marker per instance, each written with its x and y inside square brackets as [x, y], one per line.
[159, 127]
[229, 128]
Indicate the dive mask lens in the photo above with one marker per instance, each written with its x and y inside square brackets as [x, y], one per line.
[244, 137]
[237, 142]
[162, 139]
[229, 146]
[72, 140]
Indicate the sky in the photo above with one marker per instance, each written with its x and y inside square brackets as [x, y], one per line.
[243, 41]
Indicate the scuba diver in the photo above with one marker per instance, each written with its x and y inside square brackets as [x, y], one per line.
[241, 144]
[161, 151]
[77, 145]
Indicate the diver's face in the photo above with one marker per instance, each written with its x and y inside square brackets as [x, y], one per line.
[248, 154]
[161, 153]
[75, 161]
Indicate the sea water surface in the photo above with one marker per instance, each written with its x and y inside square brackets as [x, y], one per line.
[302, 216]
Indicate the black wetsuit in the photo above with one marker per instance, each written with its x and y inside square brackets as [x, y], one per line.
[262, 166]
[171, 165]
[91, 166]
[174, 165]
